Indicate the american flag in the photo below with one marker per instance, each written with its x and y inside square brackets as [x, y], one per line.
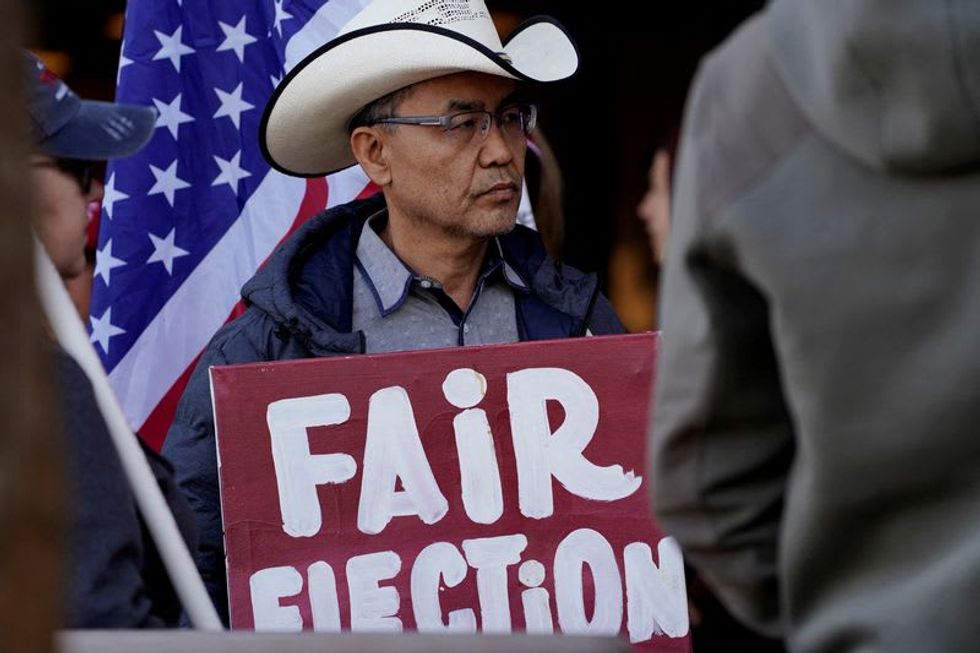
[189, 219]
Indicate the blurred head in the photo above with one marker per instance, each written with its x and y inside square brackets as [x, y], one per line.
[69, 134]
[63, 190]
[449, 152]
[654, 208]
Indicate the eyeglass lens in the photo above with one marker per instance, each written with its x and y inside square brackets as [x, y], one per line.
[514, 122]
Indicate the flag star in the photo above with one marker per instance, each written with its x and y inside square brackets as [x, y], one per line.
[276, 81]
[105, 262]
[236, 38]
[171, 47]
[123, 62]
[232, 105]
[231, 171]
[171, 116]
[165, 251]
[167, 182]
[103, 329]
[111, 195]
[281, 16]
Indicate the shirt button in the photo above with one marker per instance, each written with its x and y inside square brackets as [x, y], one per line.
[466, 328]
[425, 283]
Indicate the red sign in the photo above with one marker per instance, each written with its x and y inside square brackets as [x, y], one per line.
[490, 489]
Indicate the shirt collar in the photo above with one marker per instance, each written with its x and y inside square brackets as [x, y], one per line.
[387, 276]
[390, 279]
[511, 276]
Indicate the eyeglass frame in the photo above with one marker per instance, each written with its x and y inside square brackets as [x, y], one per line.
[79, 169]
[445, 120]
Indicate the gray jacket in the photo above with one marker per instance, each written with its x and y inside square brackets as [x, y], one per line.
[814, 443]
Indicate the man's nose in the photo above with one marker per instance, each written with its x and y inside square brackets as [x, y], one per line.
[496, 148]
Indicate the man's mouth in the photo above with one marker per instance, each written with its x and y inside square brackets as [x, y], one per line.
[502, 191]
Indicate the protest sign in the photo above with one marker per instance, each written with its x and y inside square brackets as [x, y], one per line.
[476, 489]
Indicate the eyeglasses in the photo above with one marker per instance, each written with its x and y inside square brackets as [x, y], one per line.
[515, 121]
[80, 170]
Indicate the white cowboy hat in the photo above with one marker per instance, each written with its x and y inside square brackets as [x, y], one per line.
[389, 45]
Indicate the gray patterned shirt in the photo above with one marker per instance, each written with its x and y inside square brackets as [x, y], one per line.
[400, 310]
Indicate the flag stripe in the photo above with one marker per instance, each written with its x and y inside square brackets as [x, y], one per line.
[154, 429]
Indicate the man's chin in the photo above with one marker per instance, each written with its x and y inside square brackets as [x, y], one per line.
[500, 227]
[489, 225]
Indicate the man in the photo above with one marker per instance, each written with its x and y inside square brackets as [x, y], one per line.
[427, 101]
[115, 578]
[815, 447]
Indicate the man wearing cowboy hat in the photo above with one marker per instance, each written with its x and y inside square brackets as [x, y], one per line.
[425, 98]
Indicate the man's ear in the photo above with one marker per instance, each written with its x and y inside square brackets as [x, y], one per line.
[368, 145]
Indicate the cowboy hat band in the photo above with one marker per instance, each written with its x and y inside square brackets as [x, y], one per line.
[304, 128]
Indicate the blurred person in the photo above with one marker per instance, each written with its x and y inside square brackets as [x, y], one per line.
[115, 577]
[545, 188]
[435, 259]
[80, 287]
[815, 450]
[635, 261]
[654, 207]
[31, 488]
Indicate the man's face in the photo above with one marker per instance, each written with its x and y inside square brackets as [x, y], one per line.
[466, 188]
[61, 209]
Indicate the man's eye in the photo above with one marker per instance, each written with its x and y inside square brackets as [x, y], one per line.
[465, 122]
[511, 117]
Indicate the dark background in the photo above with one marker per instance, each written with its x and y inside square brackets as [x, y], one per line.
[637, 60]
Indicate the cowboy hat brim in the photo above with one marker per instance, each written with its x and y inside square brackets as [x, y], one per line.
[304, 128]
